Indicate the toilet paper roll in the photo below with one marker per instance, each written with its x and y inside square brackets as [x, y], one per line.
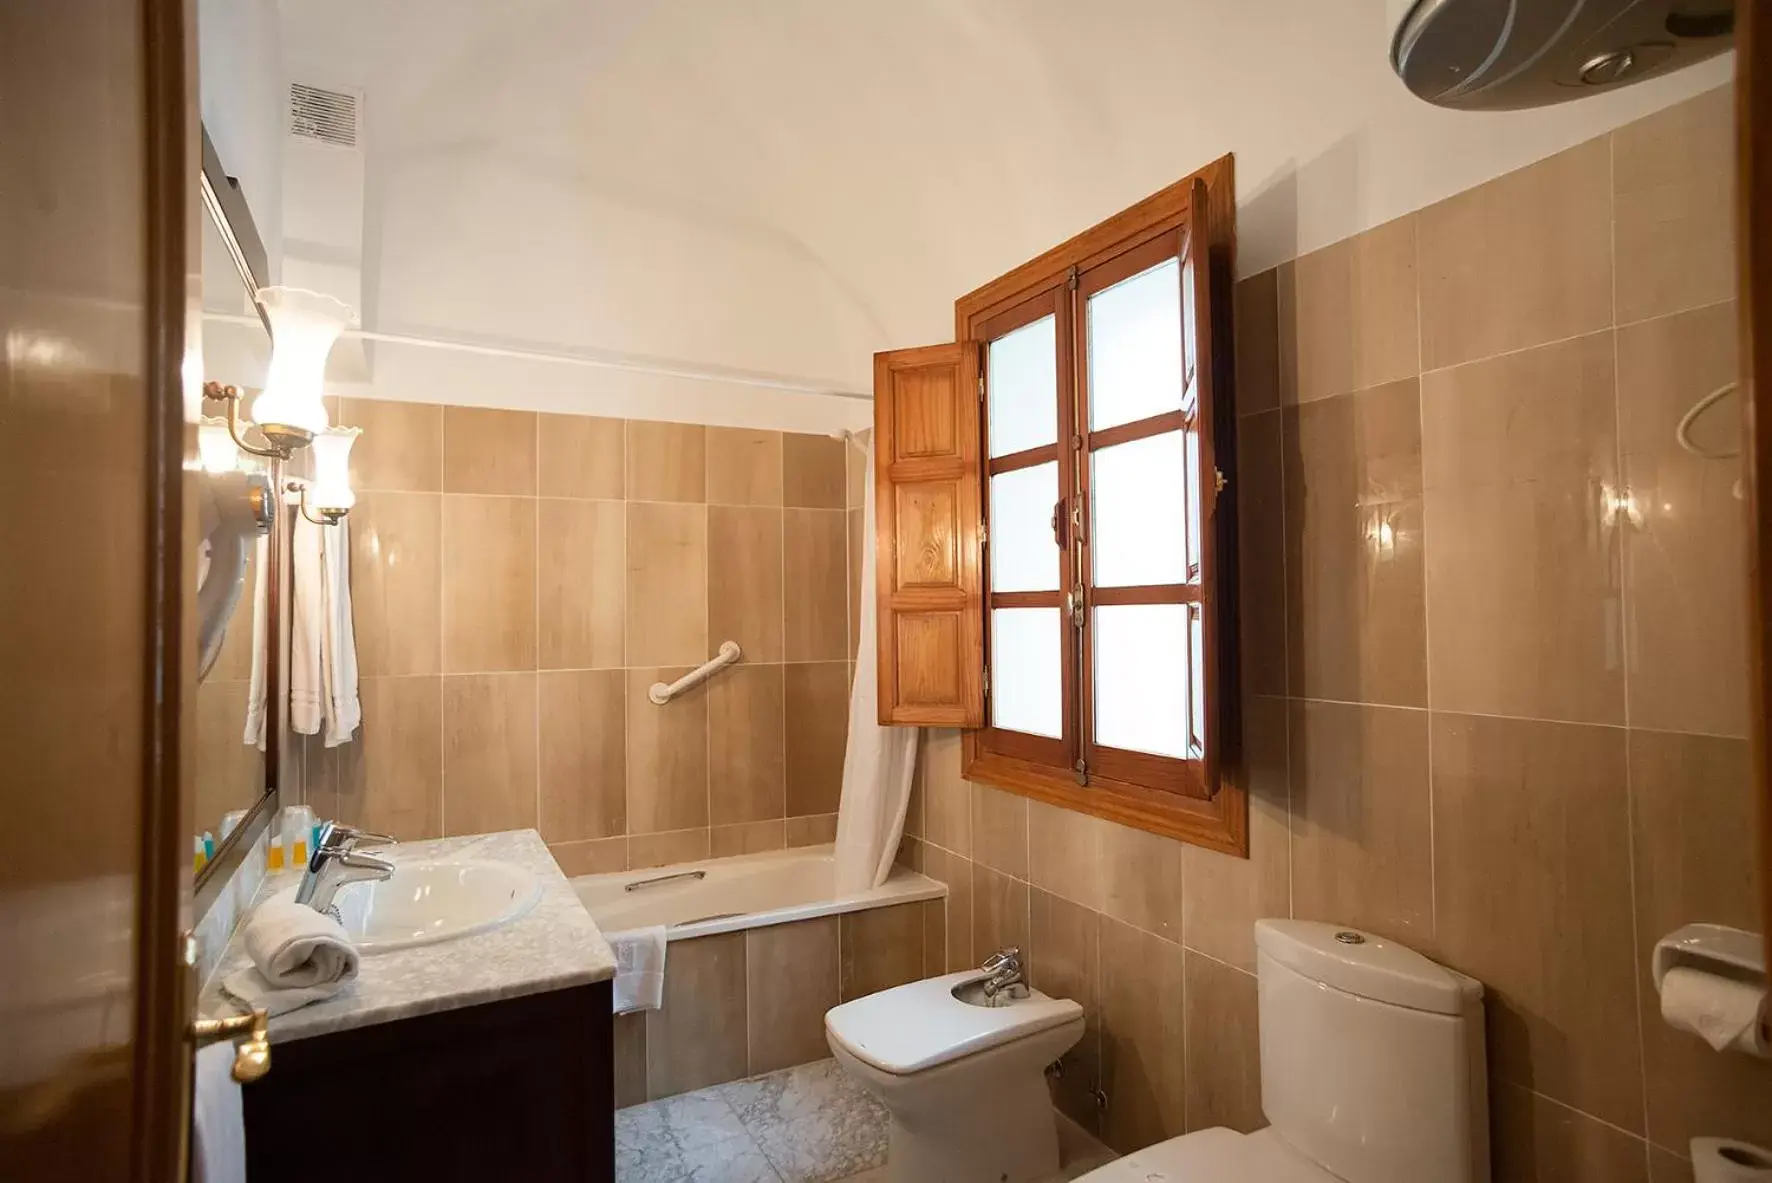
[1722, 1160]
[1721, 1011]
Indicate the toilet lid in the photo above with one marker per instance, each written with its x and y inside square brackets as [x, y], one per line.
[920, 1025]
[1214, 1156]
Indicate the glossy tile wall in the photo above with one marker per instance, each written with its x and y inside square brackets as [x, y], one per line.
[520, 580]
[1495, 648]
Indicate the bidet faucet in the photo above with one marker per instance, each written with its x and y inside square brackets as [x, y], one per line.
[1004, 968]
[336, 861]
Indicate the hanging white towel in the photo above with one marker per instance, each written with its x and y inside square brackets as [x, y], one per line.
[255, 690]
[338, 642]
[218, 1118]
[639, 968]
[298, 956]
[877, 761]
[306, 626]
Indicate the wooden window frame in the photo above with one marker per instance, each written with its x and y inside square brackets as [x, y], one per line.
[1126, 787]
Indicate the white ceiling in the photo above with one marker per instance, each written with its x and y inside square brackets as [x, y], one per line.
[787, 185]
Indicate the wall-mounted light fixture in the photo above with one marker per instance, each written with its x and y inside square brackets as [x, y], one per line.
[329, 496]
[216, 449]
[289, 412]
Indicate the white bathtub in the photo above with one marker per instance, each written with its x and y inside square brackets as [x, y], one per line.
[745, 891]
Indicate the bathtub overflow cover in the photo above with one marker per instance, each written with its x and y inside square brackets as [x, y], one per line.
[1350, 938]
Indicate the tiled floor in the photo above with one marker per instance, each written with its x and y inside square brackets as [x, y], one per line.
[809, 1124]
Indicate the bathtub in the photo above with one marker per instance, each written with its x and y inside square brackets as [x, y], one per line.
[713, 896]
[761, 946]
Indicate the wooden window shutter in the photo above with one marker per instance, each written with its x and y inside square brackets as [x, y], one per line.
[929, 584]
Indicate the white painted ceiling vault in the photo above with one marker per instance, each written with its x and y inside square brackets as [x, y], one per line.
[782, 187]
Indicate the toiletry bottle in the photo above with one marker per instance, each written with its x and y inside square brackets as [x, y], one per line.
[197, 856]
[208, 845]
[298, 826]
[230, 820]
[274, 848]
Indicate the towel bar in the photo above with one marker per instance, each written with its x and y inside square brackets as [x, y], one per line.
[661, 693]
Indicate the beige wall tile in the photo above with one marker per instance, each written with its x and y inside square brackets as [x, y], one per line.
[698, 1037]
[1000, 831]
[745, 601]
[1673, 188]
[1142, 1037]
[630, 1059]
[744, 466]
[1063, 958]
[1536, 1140]
[1355, 616]
[396, 599]
[813, 471]
[1685, 546]
[320, 767]
[580, 456]
[935, 936]
[1518, 261]
[668, 848]
[815, 830]
[391, 774]
[999, 913]
[1064, 853]
[1532, 898]
[667, 755]
[857, 474]
[667, 604]
[1261, 553]
[1667, 1167]
[401, 447]
[1223, 1037]
[1519, 455]
[947, 807]
[1223, 896]
[955, 871]
[1141, 879]
[1257, 320]
[234, 662]
[489, 757]
[746, 838]
[1347, 314]
[1361, 820]
[747, 770]
[579, 594]
[486, 451]
[913, 810]
[881, 948]
[582, 741]
[229, 774]
[599, 856]
[1693, 823]
[666, 461]
[816, 698]
[791, 981]
[815, 546]
[855, 543]
[488, 584]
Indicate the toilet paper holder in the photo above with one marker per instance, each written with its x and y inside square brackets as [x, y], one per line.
[1721, 950]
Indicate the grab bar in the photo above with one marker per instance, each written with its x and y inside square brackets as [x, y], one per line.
[637, 884]
[661, 694]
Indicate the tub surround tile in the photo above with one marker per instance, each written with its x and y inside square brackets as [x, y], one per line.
[667, 848]
[791, 974]
[947, 796]
[745, 601]
[630, 1059]
[816, 697]
[813, 469]
[744, 466]
[581, 737]
[666, 461]
[599, 856]
[815, 563]
[667, 754]
[747, 838]
[580, 456]
[667, 593]
[396, 604]
[579, 597]
[401, 447]
[698, 1038]
[488, 451]
[815, 830]
[488, 584]
[880, 948]
[857, 474]
[489, 753]
[554, 946]
[747, 770]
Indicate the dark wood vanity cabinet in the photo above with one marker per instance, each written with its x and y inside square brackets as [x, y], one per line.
[519, 1089]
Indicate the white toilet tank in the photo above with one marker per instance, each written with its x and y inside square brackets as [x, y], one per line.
[1372, 1059]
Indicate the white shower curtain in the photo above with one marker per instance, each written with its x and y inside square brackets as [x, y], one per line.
[877, 761]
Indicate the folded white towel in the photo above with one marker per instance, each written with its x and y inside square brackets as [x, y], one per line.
[298, 956]
[639, 968]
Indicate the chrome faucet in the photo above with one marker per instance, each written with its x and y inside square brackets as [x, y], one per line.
[1005, 974]
[336, 861]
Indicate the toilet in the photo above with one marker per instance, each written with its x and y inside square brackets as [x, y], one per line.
[962, 1077]
[1372, 1071]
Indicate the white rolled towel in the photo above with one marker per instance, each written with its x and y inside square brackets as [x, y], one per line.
[639, 968]
[298, 956]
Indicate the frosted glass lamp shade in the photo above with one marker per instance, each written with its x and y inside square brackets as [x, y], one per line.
[331, 490]
[304, 326]
[215, 446]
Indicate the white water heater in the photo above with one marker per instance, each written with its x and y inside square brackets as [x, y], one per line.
[1502, 54]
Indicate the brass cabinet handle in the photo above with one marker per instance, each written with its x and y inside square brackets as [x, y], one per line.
[252, 1054]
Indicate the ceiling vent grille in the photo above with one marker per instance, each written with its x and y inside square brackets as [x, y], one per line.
[324, 116]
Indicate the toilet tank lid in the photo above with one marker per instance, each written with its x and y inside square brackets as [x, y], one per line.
[1366, 965]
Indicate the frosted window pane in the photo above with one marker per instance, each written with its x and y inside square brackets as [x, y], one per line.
[1141, 678]
[1197, 662]
[1027, 688]
[1135, 347]
[1024, 556]
[1138, 505]
[1021, 374]
[1194, 486]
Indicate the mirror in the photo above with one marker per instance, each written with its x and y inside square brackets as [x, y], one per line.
[237, 567]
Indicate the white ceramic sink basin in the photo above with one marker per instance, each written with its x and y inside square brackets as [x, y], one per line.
[434, 901]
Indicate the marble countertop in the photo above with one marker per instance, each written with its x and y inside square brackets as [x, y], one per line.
[555, 945]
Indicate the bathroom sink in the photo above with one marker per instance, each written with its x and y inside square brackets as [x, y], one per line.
[434, 901]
